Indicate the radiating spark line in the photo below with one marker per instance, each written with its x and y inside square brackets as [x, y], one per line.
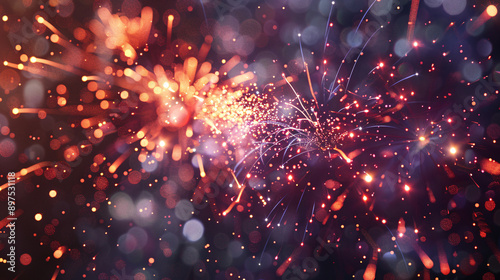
[340, 66]
[364, 15]
[212, 125]
[32, 70]
[114, 166]
[287, 147]
[487, 14]
[230, 64]
[327, 29]
[411, 76]
[412, 20]
[204, 13]
[359, 55]
[200, 165]
[332, 91]
[307, 224]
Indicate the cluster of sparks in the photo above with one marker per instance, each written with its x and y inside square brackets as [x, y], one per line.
[299, 155]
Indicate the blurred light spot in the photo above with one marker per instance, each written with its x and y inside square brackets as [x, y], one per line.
[368, 178]
[53, 193]
[184, 210]
[471, 72]
[193, 230]
[150, 164]
[186, 172]
[7, 148]
[25, 259]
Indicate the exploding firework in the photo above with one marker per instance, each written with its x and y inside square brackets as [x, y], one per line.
[154, 108]
[98, 89]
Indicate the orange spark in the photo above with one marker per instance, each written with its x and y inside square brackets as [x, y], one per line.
[5, 221]
[169, 28]
[428, 263]
[487, 14]
[41, 20]
[412, 20]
